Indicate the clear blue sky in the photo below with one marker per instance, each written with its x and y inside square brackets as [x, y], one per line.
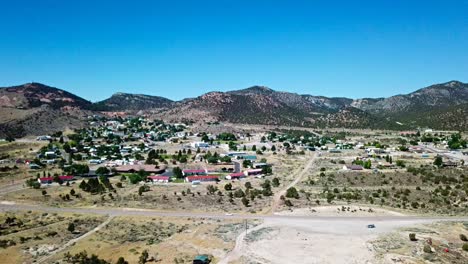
[181, 49]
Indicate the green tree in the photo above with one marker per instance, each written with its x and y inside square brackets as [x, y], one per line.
[465, 247]
[239, 193]
[121, 260]
[33, 183]
[57, 179]
[246, 163]
[211, 189]
[228, 187]
[367, 164]
[275, 182]
[292, 193]
[438, 161]
[245, 201]
[177, 172]
[102, 171]
[71, 227]
[143, 257]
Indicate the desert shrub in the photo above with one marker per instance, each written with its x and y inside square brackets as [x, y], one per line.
[292, 193]
[427, 249]
[463, 237]
[412, 236]
[465, 247]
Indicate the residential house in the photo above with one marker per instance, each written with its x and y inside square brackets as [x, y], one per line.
[353, 167]
[190, 172]
[159, 178]
[199, 145]
[259, 165]
[236, 176]
[253, 172]
[202, 178]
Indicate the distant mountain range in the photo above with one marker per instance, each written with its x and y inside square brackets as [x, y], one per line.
[440, 106]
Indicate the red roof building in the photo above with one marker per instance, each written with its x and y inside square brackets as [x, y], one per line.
[48, 180]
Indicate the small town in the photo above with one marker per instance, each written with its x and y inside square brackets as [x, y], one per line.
[234, 132]
[135, 162]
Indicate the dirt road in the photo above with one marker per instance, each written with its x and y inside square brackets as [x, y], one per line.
[12, 206]
[298, 175]
[11, 188]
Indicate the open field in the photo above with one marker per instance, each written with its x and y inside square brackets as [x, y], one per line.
[30, 235]
[43, 237]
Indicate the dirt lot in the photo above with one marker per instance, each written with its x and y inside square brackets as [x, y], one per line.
[313, 241]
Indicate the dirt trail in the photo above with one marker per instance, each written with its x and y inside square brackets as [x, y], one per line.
[11, 188]
[236, 253]
[73, 241]
[298, 175]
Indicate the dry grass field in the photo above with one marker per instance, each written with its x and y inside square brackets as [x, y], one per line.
[42, 237]
[30, 235]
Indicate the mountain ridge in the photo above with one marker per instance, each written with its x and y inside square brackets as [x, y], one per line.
[428, 106]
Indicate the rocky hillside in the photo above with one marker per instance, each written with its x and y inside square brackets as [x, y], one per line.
[34, 108]
[32, 95]
[233, 107]
[130, 102]
[432, 97]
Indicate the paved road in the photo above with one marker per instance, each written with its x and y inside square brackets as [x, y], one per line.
[11, 206]
[237, 167]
